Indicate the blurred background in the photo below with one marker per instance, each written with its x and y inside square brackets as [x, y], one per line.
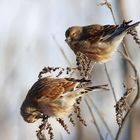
[32, 35]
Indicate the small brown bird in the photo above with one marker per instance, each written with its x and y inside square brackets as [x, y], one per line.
[53, 97]
[97, 42]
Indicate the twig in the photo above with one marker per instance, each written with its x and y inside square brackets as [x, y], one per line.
[101, 117]
[77, 111]
[85, 66]
[61, 121]
[40, 133]
[94, 120]
[109, 6]
[136, 98]
[126, 56]
[62, 51]
[122, 106]
[134, 34]
[111, 85]
[71, 119]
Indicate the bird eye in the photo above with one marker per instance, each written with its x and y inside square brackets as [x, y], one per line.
[74, 34]
[36, 117]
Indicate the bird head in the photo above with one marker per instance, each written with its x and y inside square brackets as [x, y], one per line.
[30, 114]
[73, 34]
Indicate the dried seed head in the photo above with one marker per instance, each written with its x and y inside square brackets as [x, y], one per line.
[61, 121]
[122, 106]
[134, 33]
[71, 119]
[84, 65]
[77, 111]
[50, 130]
[44, 125]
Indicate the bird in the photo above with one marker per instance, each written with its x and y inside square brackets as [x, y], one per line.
[97, 42]
[54, 97]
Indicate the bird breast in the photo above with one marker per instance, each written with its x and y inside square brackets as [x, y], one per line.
[59, 108]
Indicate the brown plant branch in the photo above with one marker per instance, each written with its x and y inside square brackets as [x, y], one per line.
[77, 111]
[71, 119]
[127, 58]
[135, 101]
[102, 119]
[61, 121]
[122, 106]
[134, 34]
[109, 6]
[62, 51]
[45, 125]
[110, 82]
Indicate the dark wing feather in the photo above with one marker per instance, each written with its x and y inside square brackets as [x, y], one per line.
[124, 27]
[97, 32]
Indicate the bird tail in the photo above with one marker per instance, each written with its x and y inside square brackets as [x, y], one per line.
[83, 90]
[96, 88]
[123, 28]
[128, 27]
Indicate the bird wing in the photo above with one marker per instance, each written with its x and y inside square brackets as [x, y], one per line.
[93, 34]
[49, 89]
[107, 32]
[97, 32]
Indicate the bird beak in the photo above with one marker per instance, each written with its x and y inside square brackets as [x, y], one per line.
[68, 39]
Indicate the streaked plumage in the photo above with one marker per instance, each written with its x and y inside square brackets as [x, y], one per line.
[53, 97]
[97, 42]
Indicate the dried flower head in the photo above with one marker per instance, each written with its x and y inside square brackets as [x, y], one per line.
[122, 106]
[55, 97]
[134, 33]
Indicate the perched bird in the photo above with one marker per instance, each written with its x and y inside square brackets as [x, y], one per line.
[97, 42]
[53, 97]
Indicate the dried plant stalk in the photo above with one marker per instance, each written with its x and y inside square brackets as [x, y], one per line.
[135, 101]
[134, 33]
[61, 121]
[110, 82]
[109, 6]
[127, 58]
[45, 126]
[85, 66]
[122, 106]
[46, 70]
[77, 111]
[50, 130]
[40, 133]
[71, 119]
[78, 101]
